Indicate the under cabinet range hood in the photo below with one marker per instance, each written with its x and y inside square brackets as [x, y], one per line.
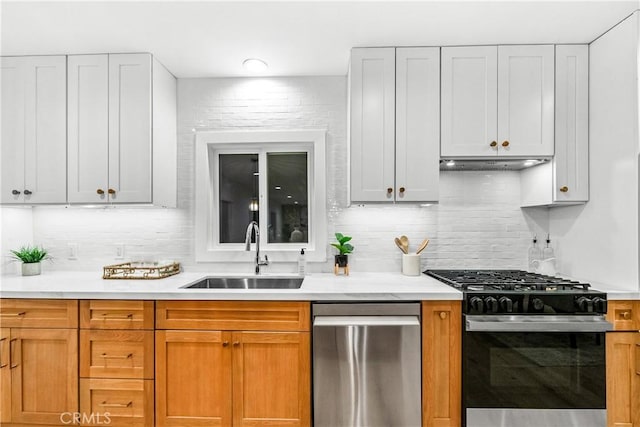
[489, 164]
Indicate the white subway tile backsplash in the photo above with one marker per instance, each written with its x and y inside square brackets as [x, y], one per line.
[477, 224]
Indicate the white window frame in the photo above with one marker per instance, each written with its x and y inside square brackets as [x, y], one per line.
[210, 144]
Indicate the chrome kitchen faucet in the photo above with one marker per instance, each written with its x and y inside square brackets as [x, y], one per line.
[247, 241]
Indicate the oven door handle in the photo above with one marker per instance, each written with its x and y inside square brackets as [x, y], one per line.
[536, 323]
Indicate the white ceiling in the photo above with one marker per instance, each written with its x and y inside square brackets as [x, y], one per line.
[212, 38]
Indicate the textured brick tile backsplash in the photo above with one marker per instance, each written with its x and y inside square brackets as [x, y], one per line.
[478, 222]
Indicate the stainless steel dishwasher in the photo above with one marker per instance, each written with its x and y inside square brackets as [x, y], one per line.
[366, 365]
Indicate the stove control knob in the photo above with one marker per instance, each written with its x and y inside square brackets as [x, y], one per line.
[538, 305]
[492, 304]
[585, 304]
[600, 304]
[477, 304]
[506, 304]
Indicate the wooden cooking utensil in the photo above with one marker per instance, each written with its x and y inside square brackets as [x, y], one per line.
[422, 246]
[399, 244]
[405, 243]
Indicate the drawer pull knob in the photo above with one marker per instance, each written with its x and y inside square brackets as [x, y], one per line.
[564, 189]
[116, 405]
[106, 356]
[505, 144]
[236, 343]
[106, 316]
[225, 343]
[626, 315]
[22, 313]
[493, 144]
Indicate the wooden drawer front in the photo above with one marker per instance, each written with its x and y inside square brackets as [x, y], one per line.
[38, 313]
[124, 402]
[625, 315]
[116, 354]
[233, 315]
[116, 314]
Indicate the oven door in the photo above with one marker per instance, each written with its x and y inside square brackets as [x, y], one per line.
[534, 371]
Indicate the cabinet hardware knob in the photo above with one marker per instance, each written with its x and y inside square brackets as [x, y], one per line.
[115, 405]
[225, 343]
[21, 313]
[564, 189]
[11, 365]
[111, 191]
[236, 343]
[15, 192]
[493, 144]
[402, 189]
[27, 192]
[626, 315]
[443, 315]
[6, 364]
[505, 143]
[100, 191]
[126, 356]
[389, 190]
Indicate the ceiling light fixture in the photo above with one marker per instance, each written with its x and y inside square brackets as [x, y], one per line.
[255, 65]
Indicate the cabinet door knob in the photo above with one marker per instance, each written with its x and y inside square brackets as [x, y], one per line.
[111, 191]
[100, 191]
[626, 315]
[225, 343]
[564, 189]
[443, 315]
[236, 343]
[27, 193]
[402, 190]
[493, 144]
[389, 190]
[15, 192]
[505, 143]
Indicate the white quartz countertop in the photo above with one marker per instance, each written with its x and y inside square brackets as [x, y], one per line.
[315, 287]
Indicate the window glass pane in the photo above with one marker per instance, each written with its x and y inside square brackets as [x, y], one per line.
[238, 184]
[287, 197]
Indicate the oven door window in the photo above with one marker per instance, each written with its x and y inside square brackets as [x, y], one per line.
[554, 370]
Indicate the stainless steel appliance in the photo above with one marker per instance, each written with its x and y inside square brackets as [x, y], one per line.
[533, 349]
[366, 365]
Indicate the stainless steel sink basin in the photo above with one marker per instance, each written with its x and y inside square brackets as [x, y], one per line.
[246, 283]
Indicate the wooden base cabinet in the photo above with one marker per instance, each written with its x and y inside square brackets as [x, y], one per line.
[228, 377]
[623, 364]
[38, 361]
[441, 363]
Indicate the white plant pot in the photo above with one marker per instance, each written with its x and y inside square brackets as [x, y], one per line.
[31, 269]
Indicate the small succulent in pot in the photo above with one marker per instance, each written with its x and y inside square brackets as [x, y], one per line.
[345, 248]
[30, 257]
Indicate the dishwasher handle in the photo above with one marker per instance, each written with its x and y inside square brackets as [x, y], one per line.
[333, 321]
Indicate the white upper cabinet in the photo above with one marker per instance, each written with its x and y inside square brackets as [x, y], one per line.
[394, 120]
[417, 124]
[33, 147]
[497, 100]
[372, 97]
[112, 134]
[469, 101]
[565, 179]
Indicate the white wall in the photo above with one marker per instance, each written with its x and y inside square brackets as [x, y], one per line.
[598, 242]
[478, 222]
[17, 231]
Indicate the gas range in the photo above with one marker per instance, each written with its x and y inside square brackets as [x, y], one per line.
[520, 292]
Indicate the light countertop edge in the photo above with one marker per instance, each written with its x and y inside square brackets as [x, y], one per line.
[316, 287]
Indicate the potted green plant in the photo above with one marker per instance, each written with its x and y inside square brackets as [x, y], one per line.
[342, 259]
[30, 257]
